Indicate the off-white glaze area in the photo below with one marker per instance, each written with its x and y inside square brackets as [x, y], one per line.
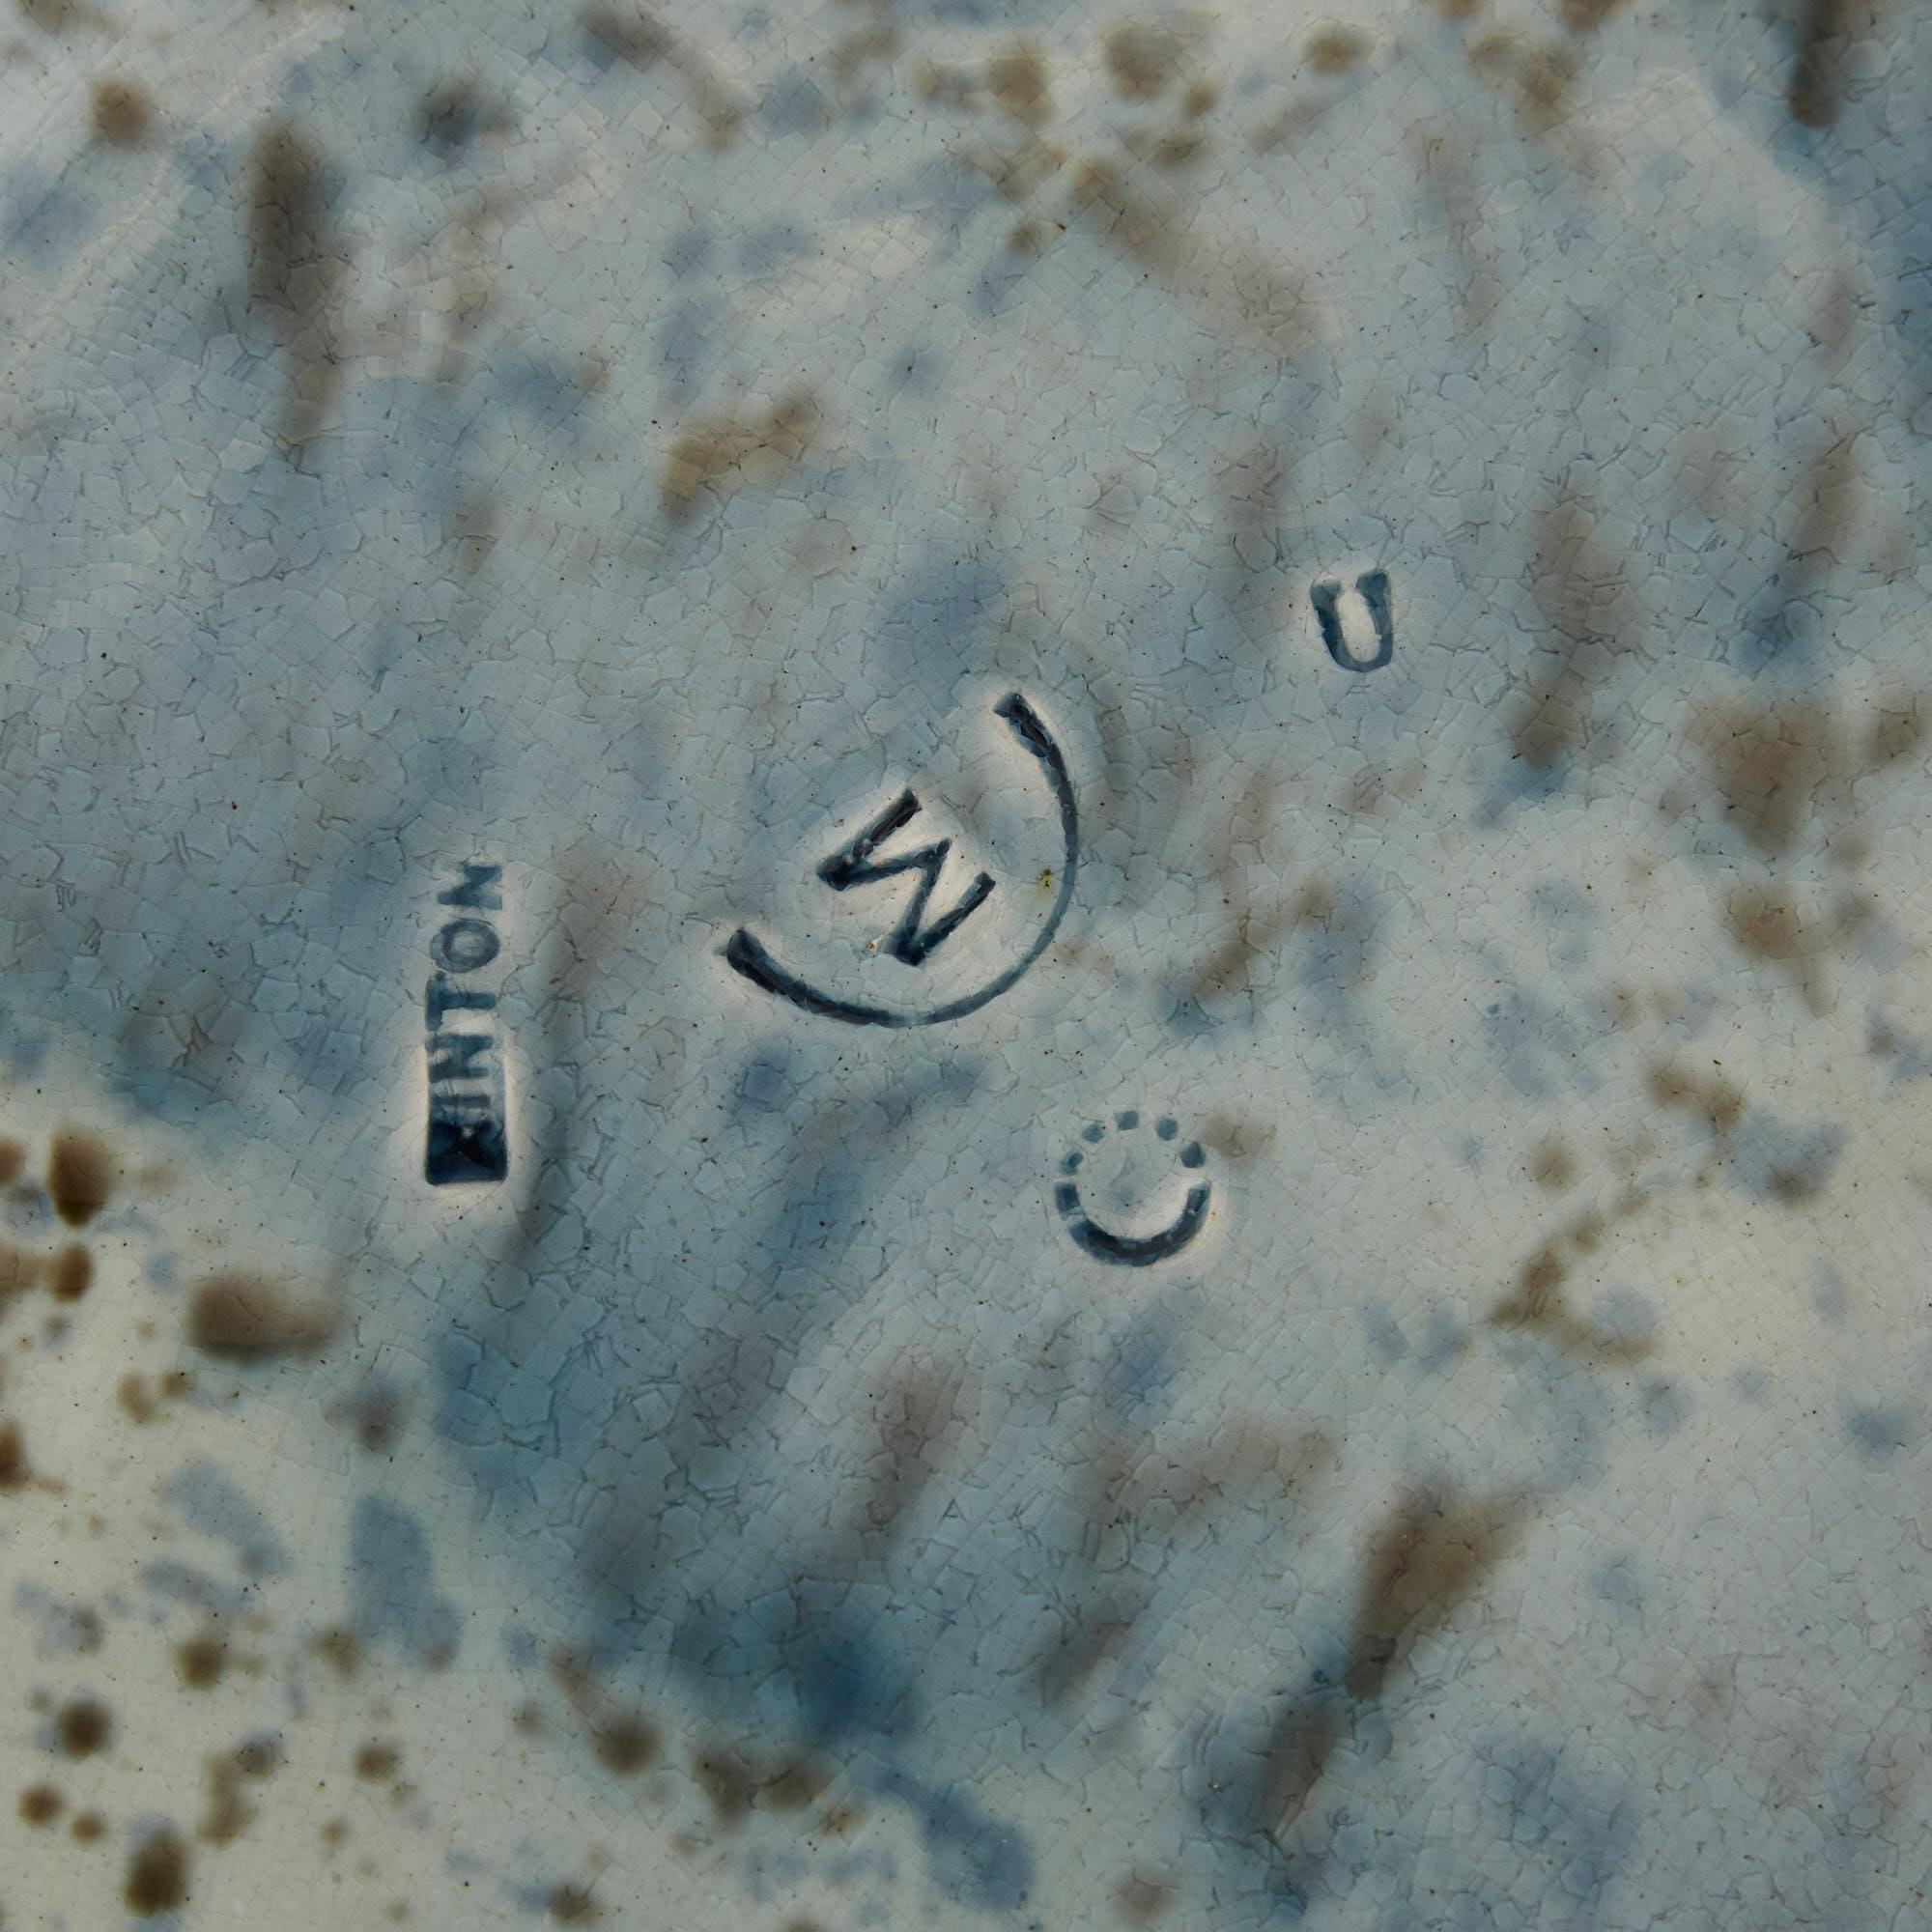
[622, 455]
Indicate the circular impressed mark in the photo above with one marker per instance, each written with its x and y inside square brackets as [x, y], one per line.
[1132, 1250]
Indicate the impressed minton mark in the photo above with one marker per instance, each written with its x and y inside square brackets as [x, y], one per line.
[469, 1134]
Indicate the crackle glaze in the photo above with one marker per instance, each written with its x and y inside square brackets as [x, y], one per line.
[965, 965]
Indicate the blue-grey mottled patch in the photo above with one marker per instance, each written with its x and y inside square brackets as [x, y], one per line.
[766, 249]
[214, 1506]
[687, 340]
[49, 221]
[1880, 1431]
[1665, 1407]
[1771, 1161]
[689, 249]
[1582, 1837]
[393, 1597]
[794, 106]
[1137, 1379]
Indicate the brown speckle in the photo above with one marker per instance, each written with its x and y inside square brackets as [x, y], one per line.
[1019, 82]
[631, 35]
[793, 1786]
[1143, 56]
[297, 268]
[1199, 98]
[133, 1396]
[157, 1874]
[84, 1725]
[1429, 1556]
[201, 1660]
[13, 1157]
[15, 1471]
[228, 1812]
[1335, 49]
[244, 1315]
[1553, 1165]
[572, 1905]
[1722, 1104]
[88, 1827]
[72, 1273]
[1770, 763]
[121, 113]
[1585, 17]
[339, 1647]
[80, 1176]
[626, 1745]
[1139, 1900]
[40, 1804]
[722, 455]
[1898, 732]
[1825, 35]
[377, 1761]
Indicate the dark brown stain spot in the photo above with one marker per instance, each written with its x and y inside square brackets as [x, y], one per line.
[88, 1827]
[1335, 49]
[1825, 35]
[1769, 924]
[201, 1660]
[157, 1874]
[1541, 76]
[794, 1785]
[631, 35]
[1769, 764]
[56, 16]
[1553, 1165]
[1458, 10]
[15, 1470]
[40, 1804]
[448, 115]
[72, 1274]
[1199, 98]
[133, 1396]
[80, 1176]
[626, 1745]
[1019, 82]
[1898, 732]
[1583, 590]
[297, 268]
[377, 1761]
[247, 1318]
[572, 1905]
[1431, 1554]
[228, 1813]
[1673, 1085]
[13, 1157]
[122, 113]
[84, 1725]
[1585, 17]
[722, 456]
[1144, 57]
[339, 1647]
[723, 1778]
[1140, 1901]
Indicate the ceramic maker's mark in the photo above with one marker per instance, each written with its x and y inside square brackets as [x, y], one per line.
[1133, 1250]
[748, 954]
[1372, 587]
[469, 1134]
[853, 864]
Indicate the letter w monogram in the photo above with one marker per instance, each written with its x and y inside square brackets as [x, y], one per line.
[853, 864]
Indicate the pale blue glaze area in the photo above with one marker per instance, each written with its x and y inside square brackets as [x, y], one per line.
[740, 1230]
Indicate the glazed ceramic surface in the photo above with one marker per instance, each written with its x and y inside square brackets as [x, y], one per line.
[965, 965]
